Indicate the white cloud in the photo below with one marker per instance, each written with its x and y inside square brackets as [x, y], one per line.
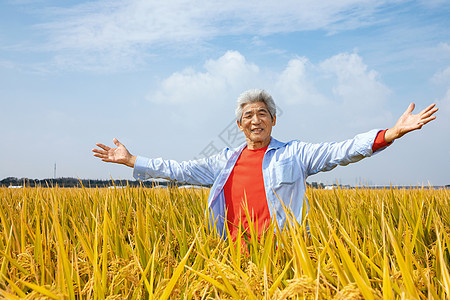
[340, 90]
[227, 75]
[100, 24]
[295, 86]
[115, 30]
[442, 77]
[356, 86]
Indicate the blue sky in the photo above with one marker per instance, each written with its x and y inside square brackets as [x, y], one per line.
[164, 78]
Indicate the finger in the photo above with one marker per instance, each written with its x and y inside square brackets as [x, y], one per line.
[410, 108]
[99, 151]
[425, 121]
[428, 113]
[116, 141]
[428, 108]
[100, 155]
[103, 146]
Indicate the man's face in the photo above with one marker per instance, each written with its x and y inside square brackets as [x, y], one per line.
[256, 123]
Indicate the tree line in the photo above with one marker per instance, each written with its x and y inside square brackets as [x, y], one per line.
[69, 182]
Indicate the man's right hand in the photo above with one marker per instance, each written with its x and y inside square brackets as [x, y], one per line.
[119, 155]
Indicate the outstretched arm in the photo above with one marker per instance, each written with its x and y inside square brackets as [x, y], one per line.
[200, 172]
[119, 155]
[409, 122]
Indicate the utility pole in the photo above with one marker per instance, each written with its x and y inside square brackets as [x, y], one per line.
[54, 172]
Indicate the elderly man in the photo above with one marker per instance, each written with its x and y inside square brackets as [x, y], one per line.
[263, 172]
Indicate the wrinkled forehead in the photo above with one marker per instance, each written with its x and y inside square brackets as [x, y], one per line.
[254, 107]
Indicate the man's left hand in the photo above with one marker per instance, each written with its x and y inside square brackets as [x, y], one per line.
[409, 122]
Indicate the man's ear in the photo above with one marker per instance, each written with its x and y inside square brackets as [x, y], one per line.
[239, 125]
[274, 120]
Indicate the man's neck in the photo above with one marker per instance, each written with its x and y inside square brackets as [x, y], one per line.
[258, 145]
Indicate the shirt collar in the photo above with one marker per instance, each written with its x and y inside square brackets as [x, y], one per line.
[274, 144]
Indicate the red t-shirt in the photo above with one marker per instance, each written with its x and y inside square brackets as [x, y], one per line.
[246, 185]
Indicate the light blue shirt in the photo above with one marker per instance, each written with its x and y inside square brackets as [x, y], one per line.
[285, 169]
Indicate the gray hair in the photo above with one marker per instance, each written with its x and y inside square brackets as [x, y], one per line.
[252, 96]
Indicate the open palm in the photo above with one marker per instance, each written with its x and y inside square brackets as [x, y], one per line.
[409, 122]
[119, 155]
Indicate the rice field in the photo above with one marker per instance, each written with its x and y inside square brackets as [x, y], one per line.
[140, 243]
